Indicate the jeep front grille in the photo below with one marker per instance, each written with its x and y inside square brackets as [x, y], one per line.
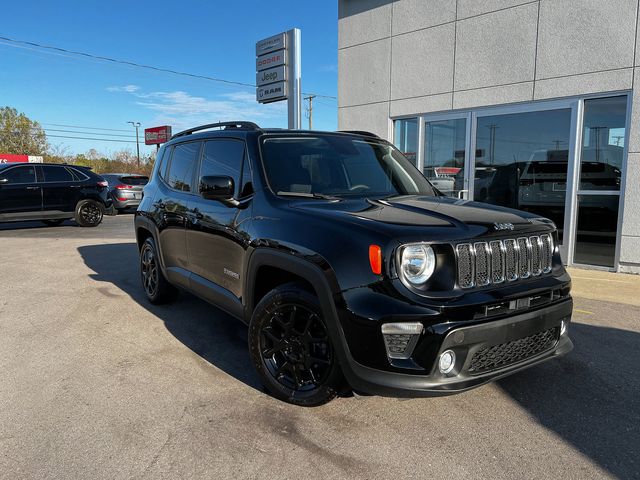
[484, 263]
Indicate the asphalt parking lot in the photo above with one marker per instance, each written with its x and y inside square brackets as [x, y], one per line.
[98, 383]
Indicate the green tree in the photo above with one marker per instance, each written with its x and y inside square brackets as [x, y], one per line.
[20, 135]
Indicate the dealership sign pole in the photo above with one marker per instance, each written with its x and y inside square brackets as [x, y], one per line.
[278, 73]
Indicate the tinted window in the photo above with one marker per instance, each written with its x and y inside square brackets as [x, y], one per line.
[19, 175]
[56, 174]
[247, 183]
[134, 180]
[78, 175]
[223, 157]
[163, 158]
[182, 165]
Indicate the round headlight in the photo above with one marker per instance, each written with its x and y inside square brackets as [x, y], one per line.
[417, 263]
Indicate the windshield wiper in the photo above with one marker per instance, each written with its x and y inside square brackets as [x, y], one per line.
[306, 195]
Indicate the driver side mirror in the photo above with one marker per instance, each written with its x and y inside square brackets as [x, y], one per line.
[216, 188]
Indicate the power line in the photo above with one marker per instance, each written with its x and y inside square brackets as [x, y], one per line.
[139, 65]
[88, 133]
[79, 138]
[97, 139]
[85, 127]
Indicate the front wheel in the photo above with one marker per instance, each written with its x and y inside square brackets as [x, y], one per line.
[156, 286]
[291, 348]
[89, 213]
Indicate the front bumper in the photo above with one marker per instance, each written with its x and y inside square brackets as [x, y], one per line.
[466, 341]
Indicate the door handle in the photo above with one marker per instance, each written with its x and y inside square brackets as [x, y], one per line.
[33, 188]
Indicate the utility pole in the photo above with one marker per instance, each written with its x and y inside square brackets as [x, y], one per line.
[310, 110]
[137, 125]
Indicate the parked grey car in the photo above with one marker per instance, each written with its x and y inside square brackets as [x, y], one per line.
[125, 189]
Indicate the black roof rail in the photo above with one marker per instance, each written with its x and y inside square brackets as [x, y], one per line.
[226, 125]
[360, 132]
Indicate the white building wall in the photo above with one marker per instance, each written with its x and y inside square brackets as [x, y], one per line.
[403, 57]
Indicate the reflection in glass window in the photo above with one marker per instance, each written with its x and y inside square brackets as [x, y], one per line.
[522, 160]
[406, 137]
[596, 230]
[444, 152]
[603, 139]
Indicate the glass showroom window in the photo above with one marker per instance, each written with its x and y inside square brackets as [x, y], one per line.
[444, 154]
[521, 161]
[602, 154]
[406, 137]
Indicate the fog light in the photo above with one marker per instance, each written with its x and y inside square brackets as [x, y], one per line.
[564, 325]
[447, 361]
[400, 338]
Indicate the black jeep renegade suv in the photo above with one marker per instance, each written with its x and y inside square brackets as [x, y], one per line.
[349, 267]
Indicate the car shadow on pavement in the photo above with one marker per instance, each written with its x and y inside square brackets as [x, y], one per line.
[590, 398]
[209, 332]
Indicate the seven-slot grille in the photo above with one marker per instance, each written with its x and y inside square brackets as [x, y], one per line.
[483, 263]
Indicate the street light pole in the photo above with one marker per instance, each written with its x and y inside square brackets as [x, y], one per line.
[137, 125]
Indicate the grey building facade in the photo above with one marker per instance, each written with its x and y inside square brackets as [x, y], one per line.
[527, 104]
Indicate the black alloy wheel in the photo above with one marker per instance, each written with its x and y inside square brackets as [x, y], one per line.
[295, 348]
[156, 286]
[291, 347]
[149, 270]
[89, 213]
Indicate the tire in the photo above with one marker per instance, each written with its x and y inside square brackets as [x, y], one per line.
[291, 348]
[156, 287]
[89, 213]
[53, 222]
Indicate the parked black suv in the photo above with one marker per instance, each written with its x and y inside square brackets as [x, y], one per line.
[349, 267]
[52, 193]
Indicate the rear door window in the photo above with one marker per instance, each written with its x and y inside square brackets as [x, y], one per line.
[182, 166]
[56, 174]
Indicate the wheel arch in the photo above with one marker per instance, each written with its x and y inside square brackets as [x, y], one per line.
[321, 280]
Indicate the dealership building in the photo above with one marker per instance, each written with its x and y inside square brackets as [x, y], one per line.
[532, 105]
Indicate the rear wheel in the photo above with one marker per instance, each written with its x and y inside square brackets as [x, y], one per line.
[291, 348]
[89, 213]
[156, 286]
[53, 222]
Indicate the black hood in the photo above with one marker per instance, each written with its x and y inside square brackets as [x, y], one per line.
[426, 211]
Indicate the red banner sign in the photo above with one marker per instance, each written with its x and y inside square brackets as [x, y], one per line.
[155, 135]
[8, 158]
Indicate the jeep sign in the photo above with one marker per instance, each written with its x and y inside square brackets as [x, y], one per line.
[272, 75]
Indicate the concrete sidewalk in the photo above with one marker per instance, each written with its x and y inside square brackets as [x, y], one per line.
[605, 286]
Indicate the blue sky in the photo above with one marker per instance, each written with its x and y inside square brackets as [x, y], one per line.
[212, 38]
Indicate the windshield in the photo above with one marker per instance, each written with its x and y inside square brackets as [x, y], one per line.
[335, 165]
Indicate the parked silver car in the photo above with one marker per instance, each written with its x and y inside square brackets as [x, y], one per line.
[125, 189]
